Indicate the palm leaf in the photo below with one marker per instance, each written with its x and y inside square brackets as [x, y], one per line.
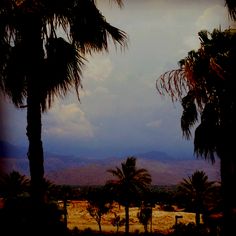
[62, 70]
[89, 29]
[231, 5]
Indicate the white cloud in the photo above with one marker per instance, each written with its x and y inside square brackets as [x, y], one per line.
[99, 68]
[213, 17]
[192, 42]
[119, 93]
[84, 93]
[68, 121]
[101, 90]
[154, 124]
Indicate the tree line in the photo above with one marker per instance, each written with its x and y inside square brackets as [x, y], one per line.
[129, 187]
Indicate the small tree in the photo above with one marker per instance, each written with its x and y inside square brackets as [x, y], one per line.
[117, 221]
[98, 205]
[145, 216]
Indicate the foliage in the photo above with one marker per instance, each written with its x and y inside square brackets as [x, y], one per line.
[145, 216]
[118, 222]
[14, 184]
[98, 204]
[231, 5]
[190, 229]
[205, 84]
[198, 190]
[130, 181]
[43, 46]
[207, 76]
[129, 184]
[82, 24]
[20, 217]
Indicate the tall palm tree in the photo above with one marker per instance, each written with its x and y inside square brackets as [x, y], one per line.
[197, 189]
[205, 85]
[129, 182]
[37, 65]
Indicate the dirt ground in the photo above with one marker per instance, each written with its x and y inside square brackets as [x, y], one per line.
[162, 221]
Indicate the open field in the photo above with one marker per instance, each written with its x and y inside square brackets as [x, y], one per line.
[162, 221]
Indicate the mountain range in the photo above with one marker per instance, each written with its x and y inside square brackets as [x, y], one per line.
[82, 170]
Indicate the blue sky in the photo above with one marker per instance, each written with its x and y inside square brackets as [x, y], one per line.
[120, 112]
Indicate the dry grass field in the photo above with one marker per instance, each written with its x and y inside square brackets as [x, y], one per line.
[162, 221]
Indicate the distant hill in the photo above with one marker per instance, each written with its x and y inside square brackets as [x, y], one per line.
[62, 169]
[9, 150]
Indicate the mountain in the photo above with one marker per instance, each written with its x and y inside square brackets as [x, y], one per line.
[9, 150]
[63, 169]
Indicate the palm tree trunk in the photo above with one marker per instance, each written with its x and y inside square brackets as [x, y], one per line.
[100, 226]
[127, 219]
[146, 228]
[35, 150]
[228, 182]
[65, 211]
[35, 56]
[197, 218]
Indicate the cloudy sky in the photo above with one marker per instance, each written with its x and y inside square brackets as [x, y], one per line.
[120, 112]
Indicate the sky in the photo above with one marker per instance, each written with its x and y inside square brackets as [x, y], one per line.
[121, 112]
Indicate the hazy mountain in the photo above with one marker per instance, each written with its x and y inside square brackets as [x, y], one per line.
[62, 169]
[9, 150]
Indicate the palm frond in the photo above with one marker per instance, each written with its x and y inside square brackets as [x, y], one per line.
[89, 29]
[205, 141]
[118, 36]
[172, 83]
[189, 115]
[231, 5]
[117, 173]
[62, 70]
[119, 2]
[130, 181]
[13, 73]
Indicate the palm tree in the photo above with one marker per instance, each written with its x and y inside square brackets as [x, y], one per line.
[37, 65]
[13, 184]
[197, 189]
[129, 182]
[205, 85]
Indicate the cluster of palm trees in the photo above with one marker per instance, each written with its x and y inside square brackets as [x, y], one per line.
[129, 187]
[129, 184]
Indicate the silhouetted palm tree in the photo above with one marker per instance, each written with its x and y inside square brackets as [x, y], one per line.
[206, 85]
[197, 188]
[37, 64]
[14, 184]
[128, 183]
